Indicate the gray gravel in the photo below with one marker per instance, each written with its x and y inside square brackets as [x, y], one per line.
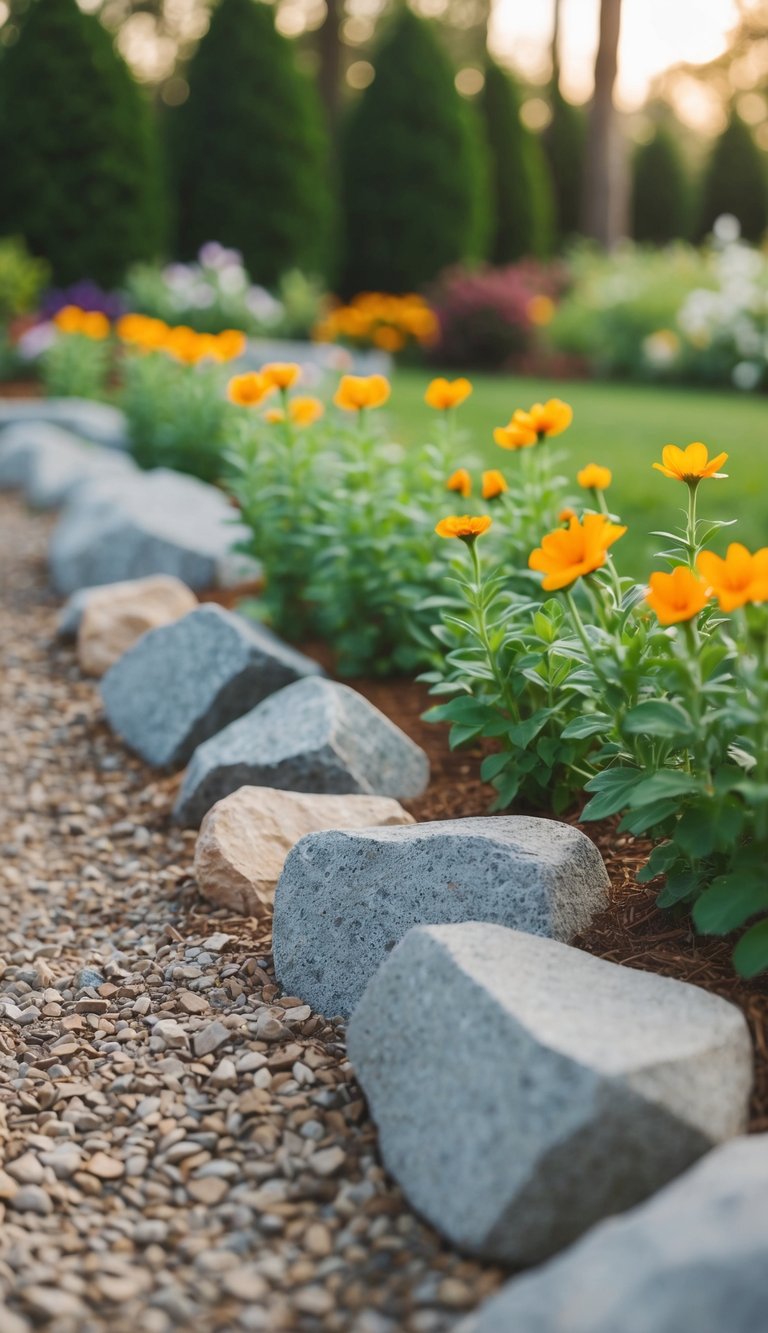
[180, 1147]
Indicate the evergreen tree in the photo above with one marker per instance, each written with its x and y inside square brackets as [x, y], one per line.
[251, 149]
[735, 181]
[522, 206]
[81, 178]
[661, 194]
[564, 143]
[414, 168]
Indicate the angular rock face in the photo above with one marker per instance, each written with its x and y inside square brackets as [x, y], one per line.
[115, 617]
[50, 465]
[315, 736]
[99, 422]
[524, 1090]
[692, 1258]
[158, 522]
[345, 899]
[245, 839]
[182, 683]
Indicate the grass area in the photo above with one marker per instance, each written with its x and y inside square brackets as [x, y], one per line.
[623, 427]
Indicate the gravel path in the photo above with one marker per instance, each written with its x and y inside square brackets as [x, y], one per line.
[180, 1147]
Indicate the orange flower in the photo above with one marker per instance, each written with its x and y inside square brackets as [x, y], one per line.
[540, 310]
[185, 345]
[356, 392]
[593, 477]
[69, 319]
[514, 436]
[739, 578]
[388, 338]
[676, 596]
[566, 515]
[460, 481]
[230, 344]
[141, 331]
[691, 464]
[281, 374]
[274, 416]
[444, 394]
[305, 411]
[95, 325]
[546, 419]
[567, 553]
[248, 390]
[465, 527]
[494, 484]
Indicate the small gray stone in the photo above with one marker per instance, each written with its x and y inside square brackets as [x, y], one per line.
[691, 1258]
[32, 1199]
[183, 682]
[157, 522]
[314, 736]
[210, 1038]
[99, 422]
[50, 464]
[524, 1090]
[88, 977]
[346, 897]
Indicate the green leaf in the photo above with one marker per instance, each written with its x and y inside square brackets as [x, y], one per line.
[729, 902]
[662, 785]
[494, 764]
[647, 817]
[661, 859]
[524, 732]
[613, 787]
[679, 887]
[589, 725]
[658, 717]
[751, 953]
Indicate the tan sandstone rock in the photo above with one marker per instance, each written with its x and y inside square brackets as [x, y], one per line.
[245, 838]
[115, 616]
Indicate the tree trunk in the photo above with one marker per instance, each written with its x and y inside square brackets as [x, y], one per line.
[605, 178]
[555, 47]
[329, 46]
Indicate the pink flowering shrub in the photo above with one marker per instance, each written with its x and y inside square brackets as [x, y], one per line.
[492, 317]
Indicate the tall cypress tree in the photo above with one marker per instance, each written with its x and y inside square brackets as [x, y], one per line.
[564, 144]
[736, 181]
[414, 168]
[661, 192]
[522, 209]
[81, 177]
[251, 148]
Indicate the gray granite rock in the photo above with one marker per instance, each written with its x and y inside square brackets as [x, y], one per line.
[182, 682]
[49, 464]
[157, 522]
[690, 1260]
[346, 897]
[314, 736]
[99, 422]
[525, 1090]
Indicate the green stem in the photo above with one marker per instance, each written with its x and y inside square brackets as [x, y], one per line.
[581, 632]
[482, 631]
[693, 487]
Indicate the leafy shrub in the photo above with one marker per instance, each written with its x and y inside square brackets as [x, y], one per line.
[81, 172]
[522, 201]
[78, 360]
[661, 191]
[736, 182]
[250, 150]
[414, 168]
[22, 279]
[488, 317]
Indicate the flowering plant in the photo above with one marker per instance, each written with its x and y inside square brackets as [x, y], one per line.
[491, 317]
[378, 319]
[78, 359]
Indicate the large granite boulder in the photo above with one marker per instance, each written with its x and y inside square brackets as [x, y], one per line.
[116, 615]
[525, 1090]
[245, 839]
[50, 464]
[315, 736]
[183, 682]
[345, 898]
[157, 522]
[99, 422]
[690, 1260]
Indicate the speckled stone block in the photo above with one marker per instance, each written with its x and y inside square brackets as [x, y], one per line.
[345, 898]
[314, 736]
[524, 1090]
[183, 682]
[692, 1258]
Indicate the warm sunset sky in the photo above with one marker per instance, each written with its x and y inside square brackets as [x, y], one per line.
[655, 34]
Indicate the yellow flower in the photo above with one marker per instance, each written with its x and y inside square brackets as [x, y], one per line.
[248, 390]
[494, 484]
[274, 415]
[305, 411]
[691, 464]
[281, 374]
[514, 436]
[593, 477]
[460, 481]
[737, 579]
[546, 419]
[142, 331]
[356, 392]
[540, 310]
[568, 553]
[94, 324]
[69, 319]
[566, 515]
[676, 596]
[230, 344]
[465, 527]
[445, 394]
[388, 338]
[185, 345]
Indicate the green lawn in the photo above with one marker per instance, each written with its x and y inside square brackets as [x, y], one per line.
[624, 427]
